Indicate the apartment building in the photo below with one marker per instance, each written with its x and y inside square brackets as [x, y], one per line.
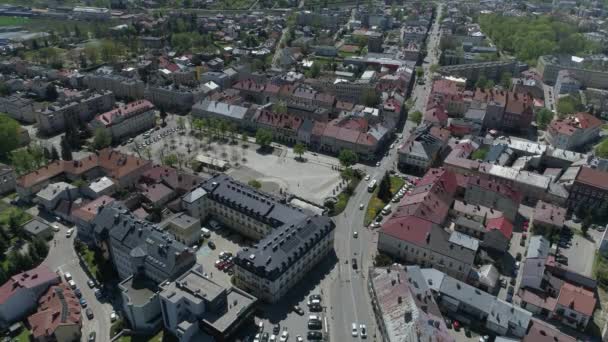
[249, 212]
[194, 307]
[414, 232]
[59, 316]
[8, 180]
[282, 258]
[575, 306]
[121, 86]
[175, 97]
[128, 120]
[472, 71]
[183, 228]
[50, 196]
[138, 247]
[404, 306]
[76, 109]
[482, 191]
[423, 148]
[467, 303]
[125, 170]
[584, 69]
[589, 189]
[19, 108]
[574, 131]
[91, 13]
[19, 295]
[84, 215]
[548, 217]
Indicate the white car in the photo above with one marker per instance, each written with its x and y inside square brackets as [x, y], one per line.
[261, 326]
[257, 338]
[367, 177]
[68, 276]
[355, 330]
[72, 284]
[284, 336]
[55, 227]
[69, 233]
[113, 316]
[377, 164]
[299, 339]
[273, 338]
[361, 206]
[355, 235]
[363, 330]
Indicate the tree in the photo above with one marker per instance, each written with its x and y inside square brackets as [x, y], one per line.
[280, 107]
[371, 98]
[384, 189]
[163, 116]
[54, 153]
[170, 160]
[22, 161]
[66, 150]
[181, 123]
[348, 157]
[505, 80]
[254, 183]
[102, 139]
[347, 174]
[315, 70]
[482, 82]
[419, 72]
[263, 137]
[433, 68]
[568, 105]
[602, 149]
[416, 117]
[299, 149]
[543, 118]
[9, 135]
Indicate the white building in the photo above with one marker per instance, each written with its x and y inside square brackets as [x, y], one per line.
[126, 121]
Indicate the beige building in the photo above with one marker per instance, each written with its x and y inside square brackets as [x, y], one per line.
[128, 120]
[185, 229]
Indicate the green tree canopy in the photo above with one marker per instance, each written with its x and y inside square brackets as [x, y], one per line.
[416, 117]
[101, 139]
[263, 137]
[170, 160]
[384, 189]
[299, 149]
[9, 135]
[543, 118]
[348, 157]
[602, 149]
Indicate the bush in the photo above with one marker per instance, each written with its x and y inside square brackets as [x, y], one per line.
[382, 260]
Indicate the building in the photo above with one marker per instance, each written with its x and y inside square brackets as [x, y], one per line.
[84, 215]
[19, 108]
[472, 71]
[81, 108]
[468, 304]
[423, 148]
[566, 83]
[219, 110]
[533, 268]
[121, 86]
[540, 331]
[183, 228]
[58, 317]
[91, 13]
[404, 306]
[574, 131]
[38, 229]
[414, 232]
[575, 306]
[194, 306]
[100, 187]
[482, 191]
[124, 169]
[548, 217]
[140, 303]
[126, 121]
[8, 179]
[587, 70]
[589, 189]
[19, 295]
[240, 207]
[175, 97]
[52, 194]
[138, 247]
[278, 261]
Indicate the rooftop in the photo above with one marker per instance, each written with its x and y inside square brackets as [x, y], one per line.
[28, 279]
[57, 307]
[550, 214]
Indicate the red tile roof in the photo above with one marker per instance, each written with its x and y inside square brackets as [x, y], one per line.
[175, 179]
[88, 211]
[410, 228]
[502, 224]
[549, 214]
[587, 120]
[282, 121]
[113, 163]
[28, 279]
[59, 306]
[503, 189]
[543, 332]
[593, 177]
[132, 108]
[577, 299]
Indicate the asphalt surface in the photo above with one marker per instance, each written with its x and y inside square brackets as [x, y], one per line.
[62, 258]
[348, 295]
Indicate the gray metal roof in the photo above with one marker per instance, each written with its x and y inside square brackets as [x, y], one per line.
[221, 108]
[538, 247]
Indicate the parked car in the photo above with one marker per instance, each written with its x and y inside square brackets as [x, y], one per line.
[284, 335]
[314, 335]
[456, 325]
[92, 336]
[98, 293]
[72, 284]
[83, 302]
[276, 329]
[78, 293]
[113, 316]
[91, 283]
[89, 313]
[354, 330]
[511, 290]
[363, 330]
[298, 310]
[354, 263]
[211, 244]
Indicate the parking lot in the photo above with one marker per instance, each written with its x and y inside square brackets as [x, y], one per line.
[579, 253]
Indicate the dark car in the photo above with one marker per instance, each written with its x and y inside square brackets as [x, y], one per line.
[265, 337]
[211, 244]
[512, 281]
[89, 313]
[276, 329]
[92, 336]
[314, 335]
[314, 324]
[315, 308]
[313, 297]
[511, 290]
[448, 323]
[78, 293]
[354, 263]
[509, 298]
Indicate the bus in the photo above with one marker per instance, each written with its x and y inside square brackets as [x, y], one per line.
[371, 186]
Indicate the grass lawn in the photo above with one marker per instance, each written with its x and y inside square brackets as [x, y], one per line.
[24, 336]
[375, 204]
[89, 258]
[6, 210]
[343, 198]
[480, 153]
[12, 21]
[160, 337]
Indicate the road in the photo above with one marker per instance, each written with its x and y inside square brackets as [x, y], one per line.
[348, 295]
[62, 258]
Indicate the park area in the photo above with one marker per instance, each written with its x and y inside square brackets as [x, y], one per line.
[376, 204]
